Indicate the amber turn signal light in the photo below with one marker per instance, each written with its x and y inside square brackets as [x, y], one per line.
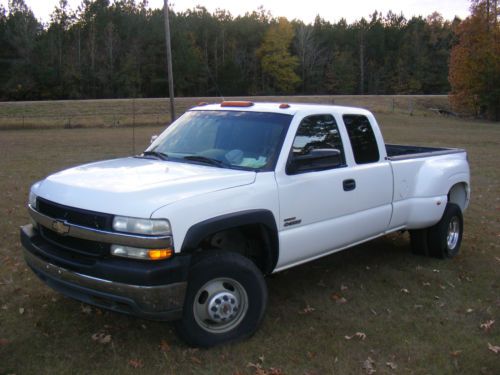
[159, 254]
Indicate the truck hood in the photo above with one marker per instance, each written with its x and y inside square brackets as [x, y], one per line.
[136, 186]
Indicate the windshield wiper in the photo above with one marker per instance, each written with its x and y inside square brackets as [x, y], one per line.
[207, 160]
[157, 154]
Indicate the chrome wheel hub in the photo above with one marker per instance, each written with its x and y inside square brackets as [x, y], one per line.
[220, 305]
[453, 233]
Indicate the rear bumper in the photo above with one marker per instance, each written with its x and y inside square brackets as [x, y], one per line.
[158, 302]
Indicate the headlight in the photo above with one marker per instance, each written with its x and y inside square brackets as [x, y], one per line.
[150, 227]
[32, 199]
[137, 253]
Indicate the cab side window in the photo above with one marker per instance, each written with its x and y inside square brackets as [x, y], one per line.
[317, 144]
[363, 141]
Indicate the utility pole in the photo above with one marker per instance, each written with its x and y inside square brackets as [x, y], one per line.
[169, 61]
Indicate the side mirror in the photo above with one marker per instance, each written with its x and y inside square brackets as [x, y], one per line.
[316, 160]
[153, 138]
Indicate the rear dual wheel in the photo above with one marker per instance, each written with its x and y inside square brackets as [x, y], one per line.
[442, 240]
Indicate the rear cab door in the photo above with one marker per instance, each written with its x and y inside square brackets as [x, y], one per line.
[323, 209]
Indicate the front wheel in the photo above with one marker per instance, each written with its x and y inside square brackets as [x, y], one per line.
[445, 238]
[225, 300]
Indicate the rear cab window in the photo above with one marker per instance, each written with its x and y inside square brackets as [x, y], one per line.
[363, 142]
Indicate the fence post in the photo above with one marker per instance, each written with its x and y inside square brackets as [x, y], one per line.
[410, 106]
[133, 126]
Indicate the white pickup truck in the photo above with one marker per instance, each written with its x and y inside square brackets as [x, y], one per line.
[229, 193]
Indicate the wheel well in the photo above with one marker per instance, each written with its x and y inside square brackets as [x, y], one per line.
[253, 241]
[458, 195]
[252, 233]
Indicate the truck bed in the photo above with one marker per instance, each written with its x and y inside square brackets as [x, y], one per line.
[401, 152]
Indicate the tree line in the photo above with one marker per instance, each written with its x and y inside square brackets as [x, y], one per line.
[116, 49]
[475, 61]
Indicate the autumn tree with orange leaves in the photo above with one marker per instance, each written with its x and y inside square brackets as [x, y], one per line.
[475, 62]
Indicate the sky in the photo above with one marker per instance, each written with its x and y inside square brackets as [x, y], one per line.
[330, 10]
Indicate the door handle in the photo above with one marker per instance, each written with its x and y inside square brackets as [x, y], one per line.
[349, 184]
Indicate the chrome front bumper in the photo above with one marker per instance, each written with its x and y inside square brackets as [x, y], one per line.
[162, 302]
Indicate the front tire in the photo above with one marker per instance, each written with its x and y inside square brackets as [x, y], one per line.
[445, 238]
[225, 300]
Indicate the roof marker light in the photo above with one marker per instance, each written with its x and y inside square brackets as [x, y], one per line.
[237, 104]
[284, 106]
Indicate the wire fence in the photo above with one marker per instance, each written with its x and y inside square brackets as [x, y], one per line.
[113, 113]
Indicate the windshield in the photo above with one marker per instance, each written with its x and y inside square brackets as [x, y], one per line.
[232, 139]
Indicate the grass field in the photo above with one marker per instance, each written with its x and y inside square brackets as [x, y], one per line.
[419, 315]
[154, 112]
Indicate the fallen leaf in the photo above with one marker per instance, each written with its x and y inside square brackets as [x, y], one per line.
[455, 353]
[359, 335]
[426, 284]
[343, 288]
[311, 355]
[338, 298]
[307, 310]
[404, 290]
[196, 360]
[101, 338]
[86, 309]
[368, 366]
[136, 363]
[254, 365]
[486, 326]
[392, 365]
[164, 347]
[469, 311]
[495, 349]
[21, 310]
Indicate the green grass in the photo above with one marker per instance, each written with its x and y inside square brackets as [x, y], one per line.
[433, 329]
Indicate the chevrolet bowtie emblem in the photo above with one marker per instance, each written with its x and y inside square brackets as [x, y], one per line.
[60, 227]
